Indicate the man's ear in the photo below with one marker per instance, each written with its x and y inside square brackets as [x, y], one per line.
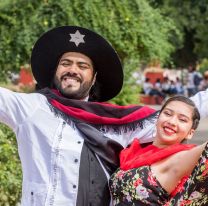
[191, 134]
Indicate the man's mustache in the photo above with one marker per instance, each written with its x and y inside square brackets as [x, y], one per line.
[73, 76]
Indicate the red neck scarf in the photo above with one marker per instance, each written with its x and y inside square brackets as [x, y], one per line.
[96, 113]
[135, 156]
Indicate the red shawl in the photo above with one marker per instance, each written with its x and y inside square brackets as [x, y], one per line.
[135, 156]
[97, 113]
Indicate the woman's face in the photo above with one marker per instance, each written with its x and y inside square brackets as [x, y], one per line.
[174, 124]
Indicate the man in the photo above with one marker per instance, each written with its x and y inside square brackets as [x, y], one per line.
[68, 141]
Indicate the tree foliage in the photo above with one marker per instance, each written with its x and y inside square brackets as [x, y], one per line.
[138, 32]
[10, 170]
[191, 18]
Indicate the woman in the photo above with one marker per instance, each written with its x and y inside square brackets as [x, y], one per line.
[167, 172]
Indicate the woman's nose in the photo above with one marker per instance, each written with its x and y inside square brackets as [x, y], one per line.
[173, 120]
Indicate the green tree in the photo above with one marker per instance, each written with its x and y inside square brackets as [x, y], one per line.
[191, 18]
[139, 33]
[10, 170]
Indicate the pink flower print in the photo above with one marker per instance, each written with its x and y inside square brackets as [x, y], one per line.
[128, 197]
[151, 180]
[195, 195]
[138, 182]
[142, 192]
[184, 202]
[120, 174]
[205, 172]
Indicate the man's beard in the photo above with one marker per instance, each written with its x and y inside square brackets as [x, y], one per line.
[79, 94]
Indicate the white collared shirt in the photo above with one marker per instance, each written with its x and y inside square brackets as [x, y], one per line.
[50, 149]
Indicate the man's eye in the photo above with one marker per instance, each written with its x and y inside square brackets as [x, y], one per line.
[65, 64]
[83, 67]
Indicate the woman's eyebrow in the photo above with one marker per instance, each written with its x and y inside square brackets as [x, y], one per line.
[171, 110]
[183, 115]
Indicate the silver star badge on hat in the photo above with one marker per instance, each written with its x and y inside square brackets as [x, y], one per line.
[77, 38]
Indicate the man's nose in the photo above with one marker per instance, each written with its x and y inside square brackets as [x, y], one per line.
[73, 69]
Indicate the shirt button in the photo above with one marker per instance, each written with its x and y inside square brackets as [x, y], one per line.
[74, 186]
[76, 160]
[79, 142]
[91, 159]
[92, 182]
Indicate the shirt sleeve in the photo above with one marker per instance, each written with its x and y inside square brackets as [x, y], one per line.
[145, 134]
[16, 107]
[201, 101]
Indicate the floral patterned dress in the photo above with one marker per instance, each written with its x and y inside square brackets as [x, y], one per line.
[139, 187]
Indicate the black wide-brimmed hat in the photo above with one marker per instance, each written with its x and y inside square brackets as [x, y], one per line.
[54, 43]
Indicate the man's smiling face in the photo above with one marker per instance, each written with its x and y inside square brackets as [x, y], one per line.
[74, 75]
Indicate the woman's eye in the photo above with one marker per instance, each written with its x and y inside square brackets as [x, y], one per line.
[167, 113]
[183, 120]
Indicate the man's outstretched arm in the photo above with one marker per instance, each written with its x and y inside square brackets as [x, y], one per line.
[201, 101]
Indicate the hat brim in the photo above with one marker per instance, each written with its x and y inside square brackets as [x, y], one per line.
[54, 43]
